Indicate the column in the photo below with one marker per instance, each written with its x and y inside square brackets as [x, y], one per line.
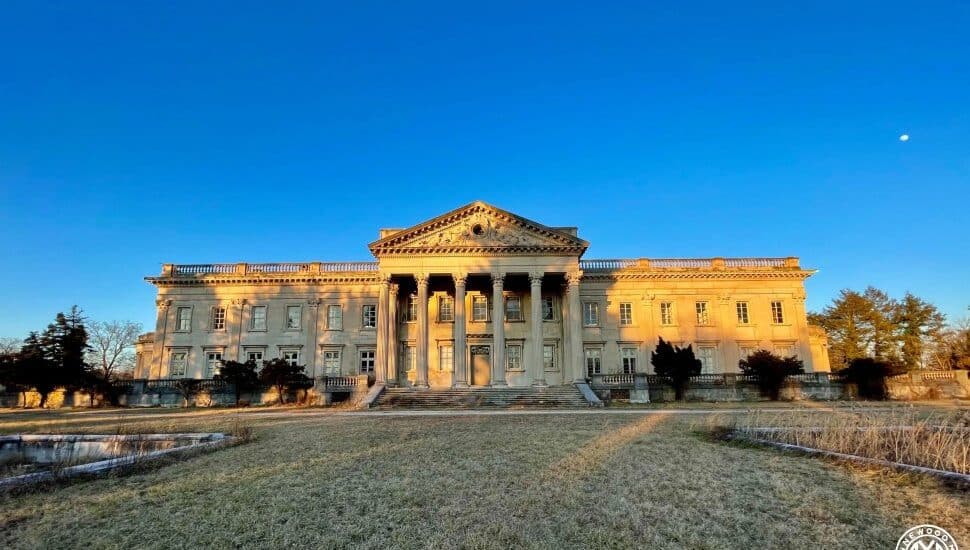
[422, 340]
[538, 371]
[313, 309]
[498, 330]
[380, 359]
[161, 332]
[233, 353]
[575, 326]
[460, 379]
[392, 347]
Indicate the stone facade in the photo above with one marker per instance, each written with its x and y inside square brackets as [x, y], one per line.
[422, 314]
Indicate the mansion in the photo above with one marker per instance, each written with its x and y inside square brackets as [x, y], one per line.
[477, 297]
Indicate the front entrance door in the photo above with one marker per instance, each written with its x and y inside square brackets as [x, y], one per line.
[481, 365]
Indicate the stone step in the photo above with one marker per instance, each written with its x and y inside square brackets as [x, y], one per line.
[471, 398]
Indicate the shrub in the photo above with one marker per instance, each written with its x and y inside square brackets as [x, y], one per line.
[676, 363]
[869, 375]
[242, 376]
[770, 370]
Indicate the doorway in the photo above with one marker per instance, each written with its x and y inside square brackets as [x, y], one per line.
[481, 370]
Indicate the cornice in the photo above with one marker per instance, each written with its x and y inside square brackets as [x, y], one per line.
[363, 278]
[736, 275]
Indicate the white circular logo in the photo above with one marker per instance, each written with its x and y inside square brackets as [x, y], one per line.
[926, 537]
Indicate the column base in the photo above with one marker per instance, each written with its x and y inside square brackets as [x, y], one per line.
[540, 384]
[499, 384]
[459, 385]
[423, 386]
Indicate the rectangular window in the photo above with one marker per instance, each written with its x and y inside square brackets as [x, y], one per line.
[446, 358]
[331, 362]
[257, 320]
[446, 309]
[513, 308]
[293, 317]
[742, 308]
[777, 313]
[785, 351]
[178, 361]
[548, 309]
[335, 317]
[366, 361]
[747, 351]
[594, 361]
[410, 358]
[591, 314]
[708, 357]
[217, 318]
[666, 313]
[411, 309]
[213, 361]
[256, 356]
[369, 316]
[291, 356]
[479, 309]
[513, 357]
[183, 321]
[549, 357]
[628, 358]
[626, 313]
[703, 313]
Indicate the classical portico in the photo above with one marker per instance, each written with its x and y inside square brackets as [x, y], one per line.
[510, 263]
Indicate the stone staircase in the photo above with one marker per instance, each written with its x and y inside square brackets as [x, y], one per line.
[552, 397]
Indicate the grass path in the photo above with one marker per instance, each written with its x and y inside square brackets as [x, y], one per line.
[474, 481]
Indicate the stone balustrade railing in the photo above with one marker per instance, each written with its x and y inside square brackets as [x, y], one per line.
[595, 265]
[640, 379]
[195, 270]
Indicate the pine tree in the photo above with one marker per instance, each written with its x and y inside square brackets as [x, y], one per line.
[679, 364]
[919, 323]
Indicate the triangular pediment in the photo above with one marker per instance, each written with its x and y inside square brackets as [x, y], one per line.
[479, 228]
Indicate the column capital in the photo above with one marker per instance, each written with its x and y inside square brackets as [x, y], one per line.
[498, 277]
[163, 304]
[314, 302]
[573, 277]
[385, 279]
[238, 301]
[422, 278]
[535, 277]
[394, 287]
[460, 278]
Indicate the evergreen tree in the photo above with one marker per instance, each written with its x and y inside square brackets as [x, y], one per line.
[919, 324]
[771, 371]
[847, 323]
[676, 363]
[280, 374]
[883, 334]
[242, 376]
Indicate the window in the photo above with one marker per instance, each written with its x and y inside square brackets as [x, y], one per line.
[708, 357]
[747, 351]
[742, 308]
[366, 361]
[513, 357]
[410, 358]
[513, 308]
[331, 362]
[293, 317]
[666, 313]
[548, 309]
[785, 350]
[479, 309]
[703, 313]
[446, 358]
[183, 322]
[626, 313]
[777, 313]
[411, 309]
[591, 314]
[335, 317]
[291, 356]
[177, 363]
[594, 361]
[369, 316]
[218, 318]
[628, 358]
[256, 356]
[257, 320]
[549, 357]
[213, 360]
[446, 309]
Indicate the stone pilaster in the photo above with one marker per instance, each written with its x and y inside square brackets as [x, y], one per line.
[233, 353]
[313, 312]
[498, 330]
[538, 372]
[422, 339]
[575, 326]
[161, 332]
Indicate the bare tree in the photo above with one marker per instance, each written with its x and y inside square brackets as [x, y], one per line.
[9, 345]
[112, 347]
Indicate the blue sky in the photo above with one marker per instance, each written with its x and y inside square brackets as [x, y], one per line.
[132, 135]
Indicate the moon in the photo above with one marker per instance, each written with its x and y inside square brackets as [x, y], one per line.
[904, 137]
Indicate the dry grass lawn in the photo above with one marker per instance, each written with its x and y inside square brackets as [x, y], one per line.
[549, 481]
